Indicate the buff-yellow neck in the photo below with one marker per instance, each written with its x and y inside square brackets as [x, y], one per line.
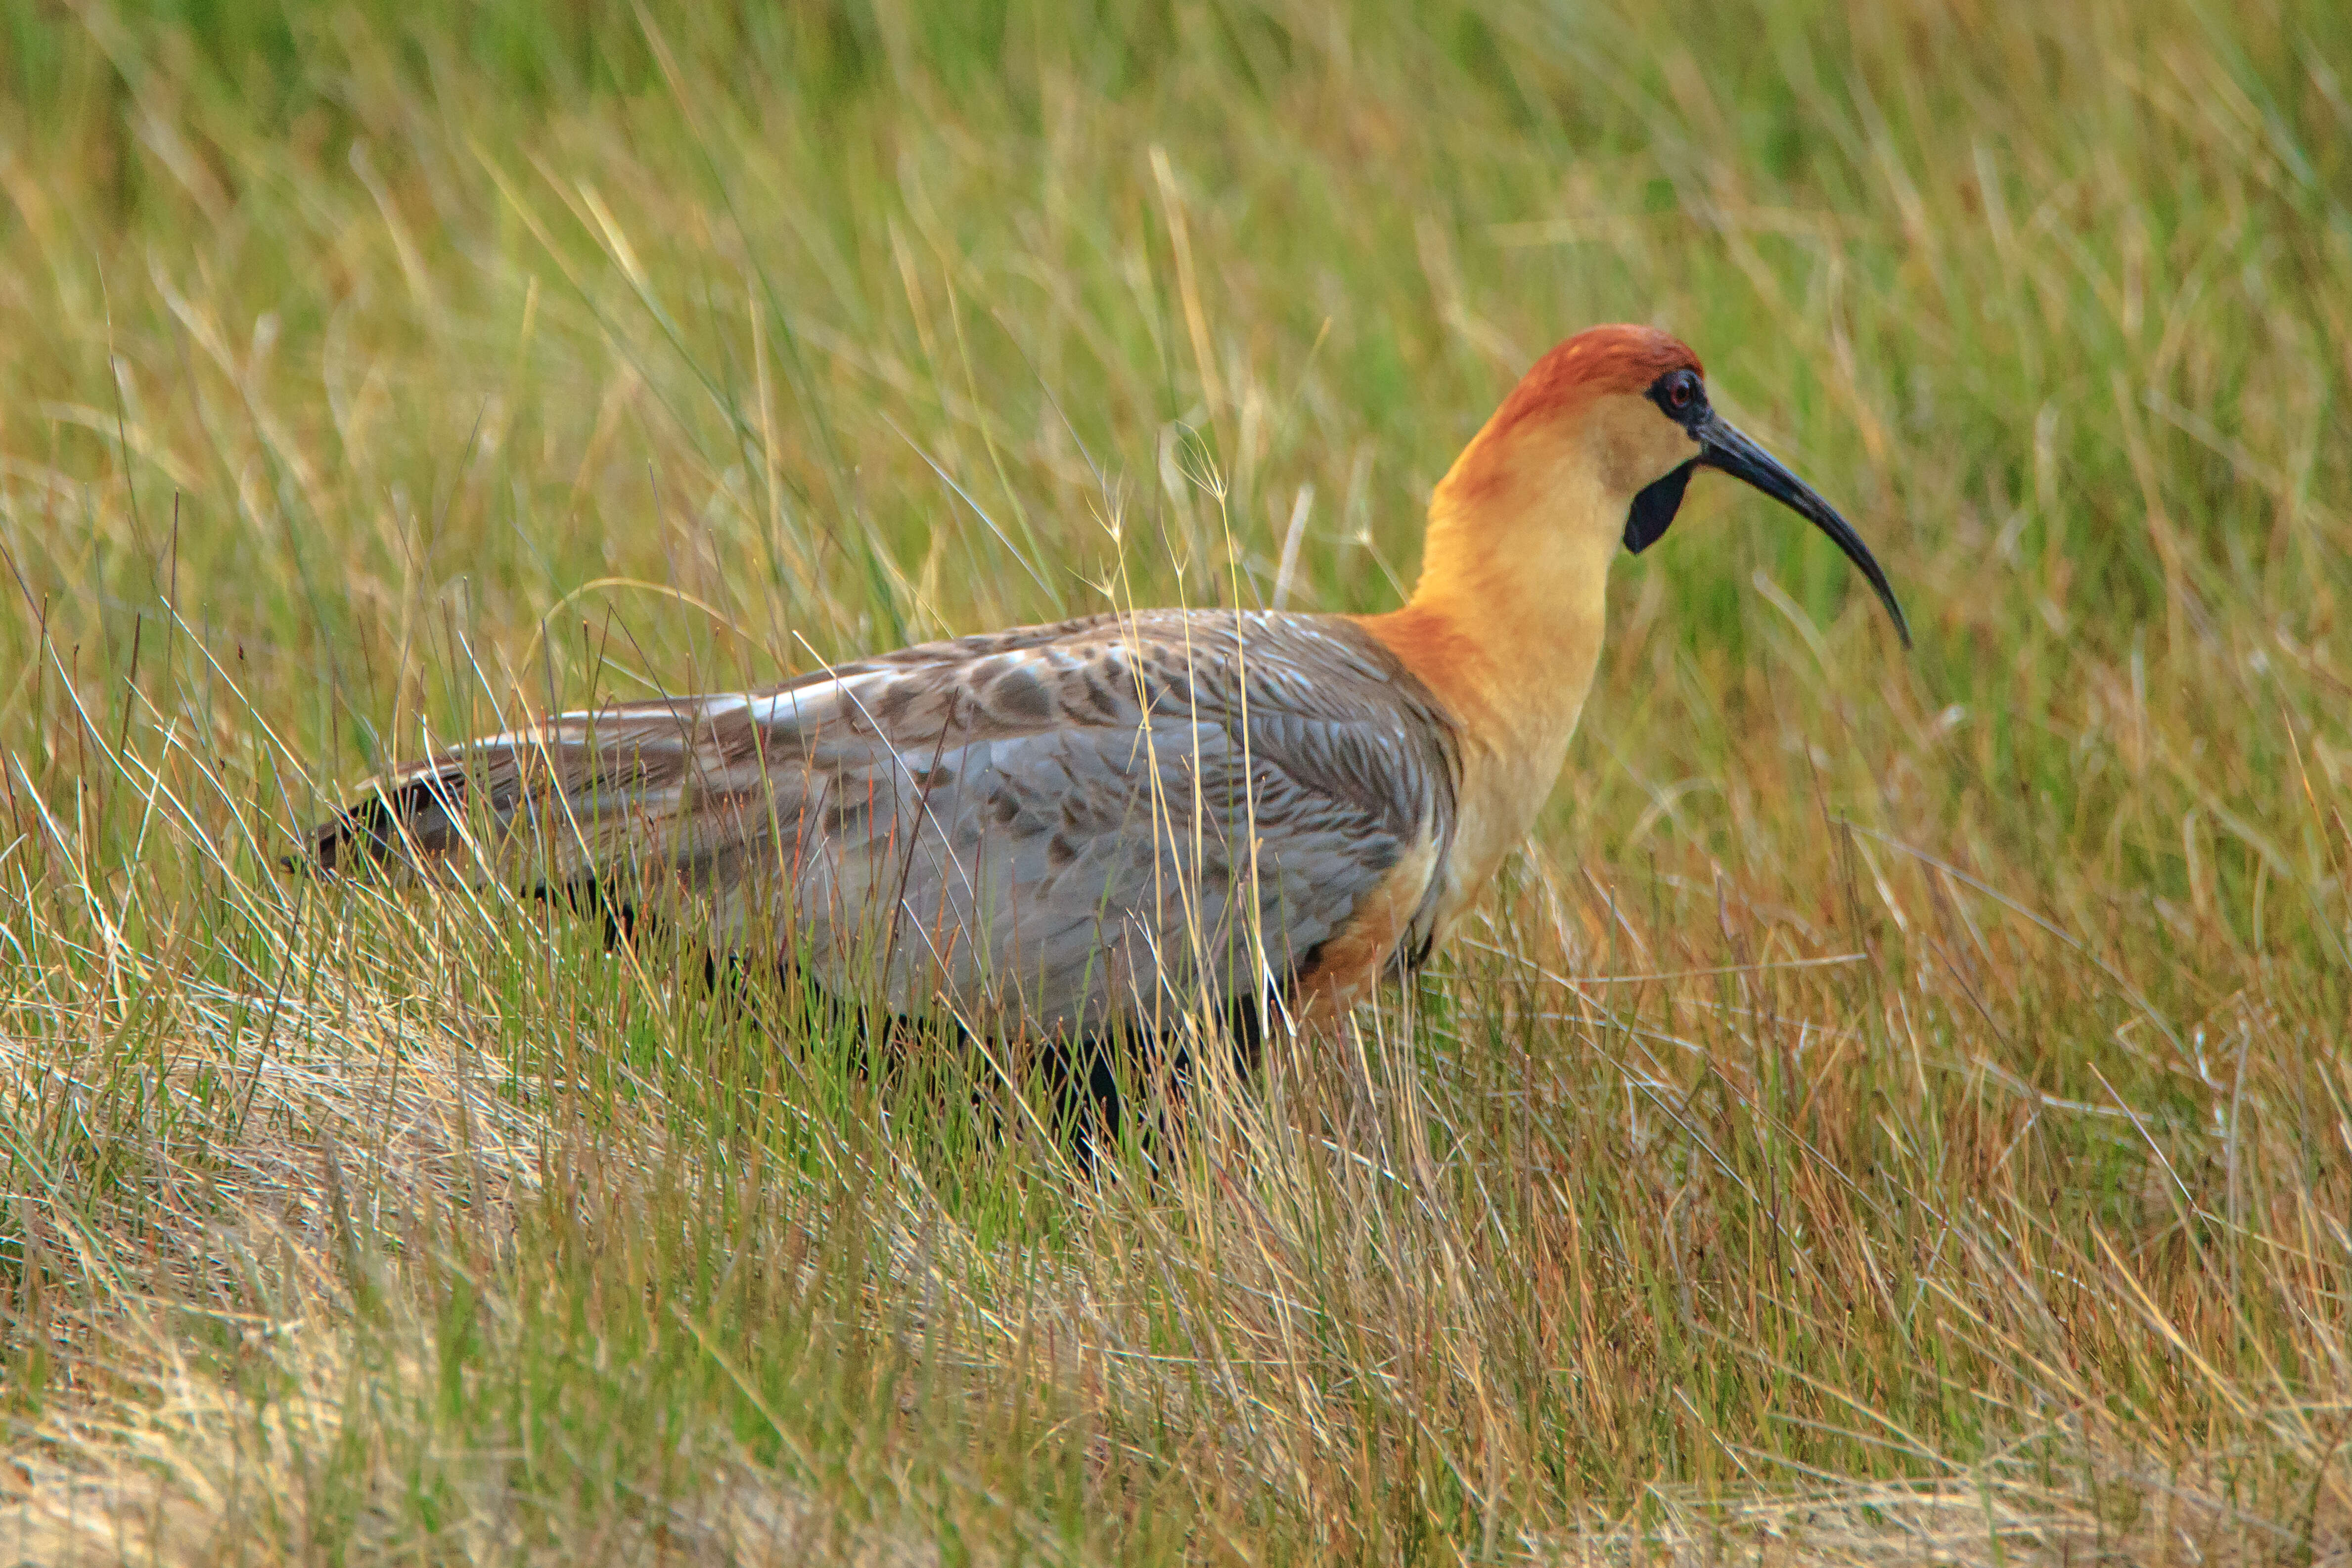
[1506, 623]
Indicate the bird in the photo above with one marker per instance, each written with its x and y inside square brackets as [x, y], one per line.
[1130, 822]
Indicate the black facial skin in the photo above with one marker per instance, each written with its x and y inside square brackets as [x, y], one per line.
[1655, 506]
[1681, 396]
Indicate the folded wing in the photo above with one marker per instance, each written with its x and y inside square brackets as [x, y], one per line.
[1080, 825]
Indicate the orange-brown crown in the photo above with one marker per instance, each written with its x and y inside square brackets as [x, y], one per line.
[1595, 364]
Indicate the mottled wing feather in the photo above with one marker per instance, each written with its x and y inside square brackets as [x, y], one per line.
[1082, 824]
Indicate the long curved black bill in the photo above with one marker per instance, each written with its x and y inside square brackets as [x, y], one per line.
[1721, 446]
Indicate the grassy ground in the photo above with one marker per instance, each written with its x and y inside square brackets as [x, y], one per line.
[1898, 1108]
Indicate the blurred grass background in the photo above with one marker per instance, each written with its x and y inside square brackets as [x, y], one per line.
[1899, 1107]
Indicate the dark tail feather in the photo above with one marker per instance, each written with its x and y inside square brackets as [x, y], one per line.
[424, 811]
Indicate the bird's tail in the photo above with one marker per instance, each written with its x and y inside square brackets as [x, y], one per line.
[401, 820]
[562, 802]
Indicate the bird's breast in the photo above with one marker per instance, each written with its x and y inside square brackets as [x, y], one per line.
[1502, 790]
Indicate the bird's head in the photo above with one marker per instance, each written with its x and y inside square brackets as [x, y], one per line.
[1595, 446]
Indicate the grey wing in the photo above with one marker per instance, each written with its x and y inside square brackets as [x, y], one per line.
[1110, 822]
[1083, 876]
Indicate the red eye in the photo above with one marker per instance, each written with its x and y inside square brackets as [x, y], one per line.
[1679, 393]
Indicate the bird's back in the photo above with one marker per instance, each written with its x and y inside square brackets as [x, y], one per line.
[1080, 825]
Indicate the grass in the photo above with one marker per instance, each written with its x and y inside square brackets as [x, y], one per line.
[1898, 1108]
